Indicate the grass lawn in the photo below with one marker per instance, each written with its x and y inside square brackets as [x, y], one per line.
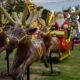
[70, 68]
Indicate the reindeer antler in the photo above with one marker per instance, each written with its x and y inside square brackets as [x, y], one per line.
[14, 18]
[7, 15]
[25, 12]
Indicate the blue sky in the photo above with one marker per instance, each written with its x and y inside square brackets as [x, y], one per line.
[56, 5]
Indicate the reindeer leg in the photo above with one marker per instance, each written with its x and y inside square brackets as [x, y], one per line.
[7, 60]
[28, 63]
[32, 58]
[15, 66]
[28, 73]
[45, 56]
[45, 61]
[50, 59]
[8, 51]
[51, 67]
[49, 50]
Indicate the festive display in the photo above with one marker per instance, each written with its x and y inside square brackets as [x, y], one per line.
[36, 33]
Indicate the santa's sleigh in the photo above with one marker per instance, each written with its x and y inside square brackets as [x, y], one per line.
[65, 44]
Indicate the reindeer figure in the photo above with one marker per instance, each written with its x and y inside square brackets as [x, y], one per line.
[5, 30]
[5, 43]
[51, 43]
[28, 51]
